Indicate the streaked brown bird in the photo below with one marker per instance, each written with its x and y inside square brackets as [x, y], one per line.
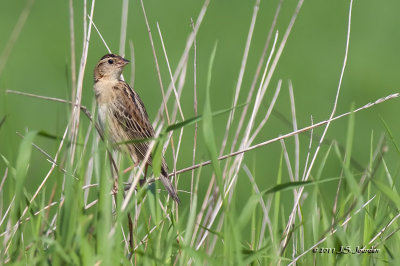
[121, 113]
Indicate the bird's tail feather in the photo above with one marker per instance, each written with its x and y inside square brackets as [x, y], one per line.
[168, 186]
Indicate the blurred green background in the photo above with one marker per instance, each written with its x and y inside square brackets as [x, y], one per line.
[40, 60]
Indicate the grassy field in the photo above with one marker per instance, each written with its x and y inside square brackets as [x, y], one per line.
[281, 133]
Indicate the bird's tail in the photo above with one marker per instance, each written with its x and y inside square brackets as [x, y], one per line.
[168, 185]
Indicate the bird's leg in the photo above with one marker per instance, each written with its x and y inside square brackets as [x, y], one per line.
[115, 186]
[145, 171]
[143, 181]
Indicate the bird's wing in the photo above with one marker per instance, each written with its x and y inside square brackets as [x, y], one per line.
[131, 115]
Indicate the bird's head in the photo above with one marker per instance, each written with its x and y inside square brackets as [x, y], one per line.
[109, 66]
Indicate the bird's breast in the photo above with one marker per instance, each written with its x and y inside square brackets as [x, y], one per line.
[102, 115]
[104, 91]
[105, 97]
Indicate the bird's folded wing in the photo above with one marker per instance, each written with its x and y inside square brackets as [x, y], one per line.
[132, 117]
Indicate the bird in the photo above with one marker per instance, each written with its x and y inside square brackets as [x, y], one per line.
[123, 116]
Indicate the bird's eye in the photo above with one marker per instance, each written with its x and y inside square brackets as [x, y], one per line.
[110, 61]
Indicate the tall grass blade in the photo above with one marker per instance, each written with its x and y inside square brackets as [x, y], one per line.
[208, 129]
[21, 170]
[3, 120]
[392, 139]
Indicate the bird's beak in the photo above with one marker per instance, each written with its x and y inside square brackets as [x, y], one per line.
[124, 62]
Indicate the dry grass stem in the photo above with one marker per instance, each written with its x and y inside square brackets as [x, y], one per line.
[300, 191]
[6, 213]
[177, 97]
[257, 73]
[133, 65]
[296, 138]
[214, 209]
[309, 149]
[75, 110]
[302, 130]
[72, 45]
[265, 81]
[100, 35]
[164, 100]
[3, 180]
[384, 229]
[195, 110]
[287, 161]
[185, 54]
[266, 219]
[124, 24]
[268, 114]
[241, 73]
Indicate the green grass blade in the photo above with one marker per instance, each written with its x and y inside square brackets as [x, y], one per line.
[199, 118]
[208, 130]
[286, 186]
[248, 210]
[392, 139]
[350, 179]
[387, 191]
[291, 185]
[22, 165]
[350, 137]
[10, 167]
[3, 120]
[277, 205]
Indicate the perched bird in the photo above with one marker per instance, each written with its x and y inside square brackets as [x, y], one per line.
[121, 113]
